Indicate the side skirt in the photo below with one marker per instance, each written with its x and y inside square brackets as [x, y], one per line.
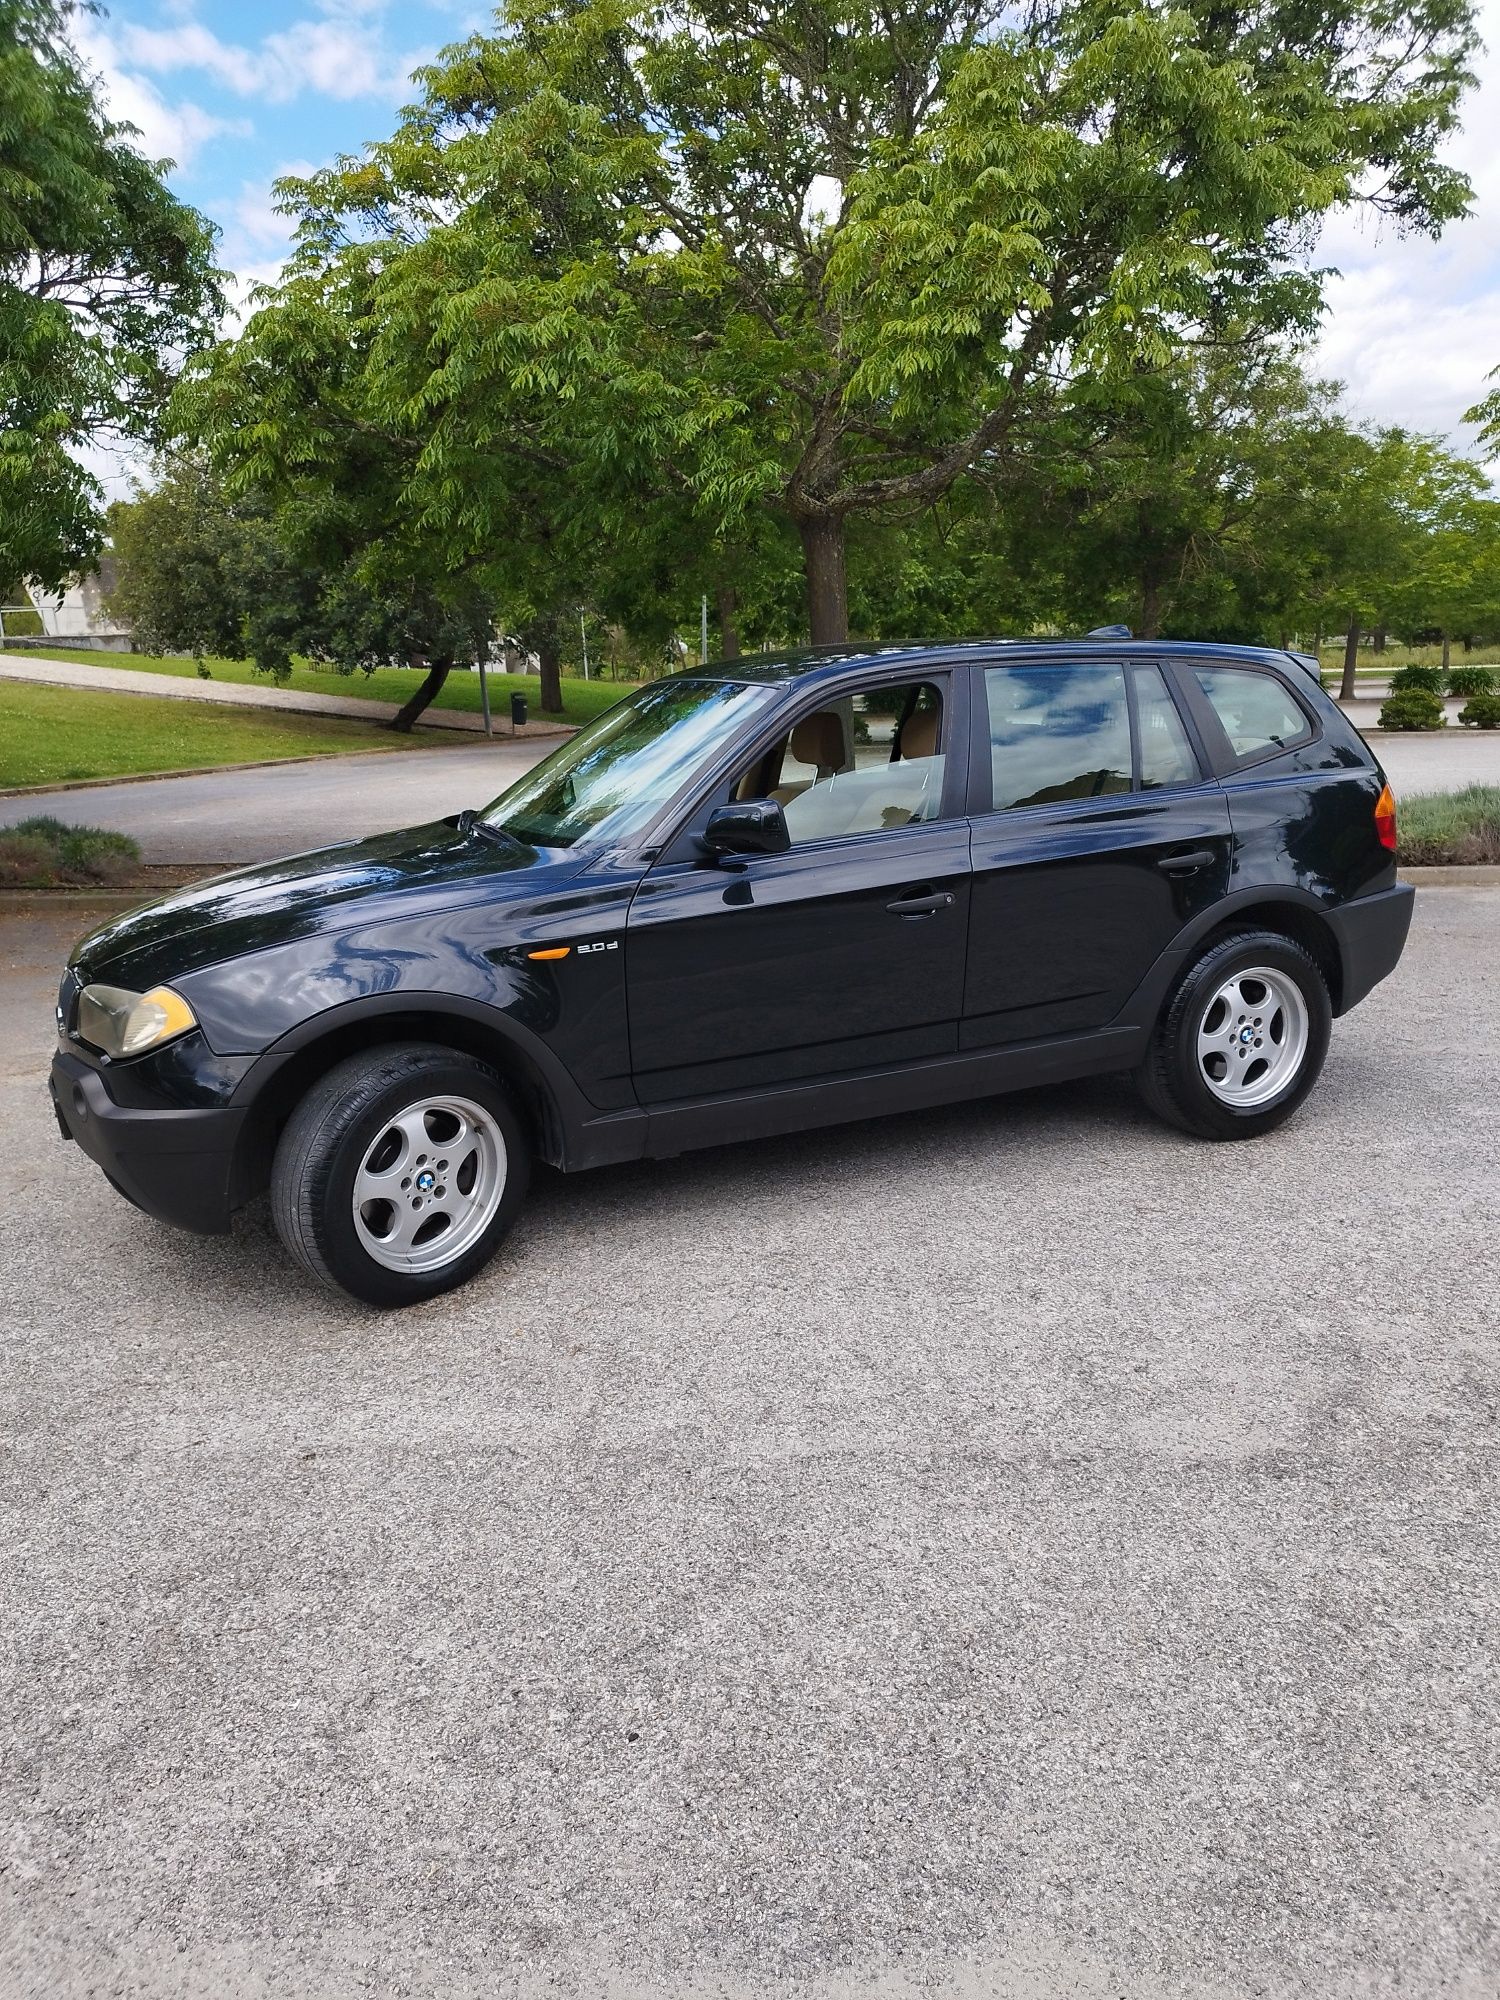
[668, 1129]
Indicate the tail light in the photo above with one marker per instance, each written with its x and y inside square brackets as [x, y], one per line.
[1385, 818]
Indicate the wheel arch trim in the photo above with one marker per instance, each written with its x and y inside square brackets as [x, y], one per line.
[551, 1100]
[1304, 919]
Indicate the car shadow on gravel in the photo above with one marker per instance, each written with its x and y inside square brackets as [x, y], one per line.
[251, 1267]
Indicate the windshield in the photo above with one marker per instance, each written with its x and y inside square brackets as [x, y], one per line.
[610, 779]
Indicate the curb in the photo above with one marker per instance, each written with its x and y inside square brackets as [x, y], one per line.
[1481, 875]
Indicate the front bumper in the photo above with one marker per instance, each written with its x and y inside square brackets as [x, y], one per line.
[1371, 933]
[177, 1165]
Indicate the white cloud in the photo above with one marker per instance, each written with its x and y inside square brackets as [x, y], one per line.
[167, 131]
[339, 53]
[1414, 325]
[254, 217]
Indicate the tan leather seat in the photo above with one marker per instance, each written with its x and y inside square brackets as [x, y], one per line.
[817, 740]
[919, 734]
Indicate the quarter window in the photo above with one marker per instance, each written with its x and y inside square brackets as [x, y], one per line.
[1166, 755]
[1057, 733]
[1256, 711]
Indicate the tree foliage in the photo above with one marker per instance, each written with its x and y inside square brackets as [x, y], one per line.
[105, 280]
[824, 261]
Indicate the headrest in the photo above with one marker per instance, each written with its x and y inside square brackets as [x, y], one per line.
[919, 733]
[819, 740]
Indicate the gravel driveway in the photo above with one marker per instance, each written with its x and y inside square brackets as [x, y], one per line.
[1010, 1551]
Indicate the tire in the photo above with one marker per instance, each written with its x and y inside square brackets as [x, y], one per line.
[409, 1124]
[1231, 1061]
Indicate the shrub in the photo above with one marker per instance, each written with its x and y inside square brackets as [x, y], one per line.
[1430, 680]
[94, 854]
[1481, 711]
[1453, 827]
[41, 852]
[26, 860]
[1412, 708]
[1464, 681]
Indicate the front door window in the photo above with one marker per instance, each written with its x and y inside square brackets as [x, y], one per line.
[865, 763]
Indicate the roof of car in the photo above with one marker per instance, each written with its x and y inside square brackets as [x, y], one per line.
[814, 663]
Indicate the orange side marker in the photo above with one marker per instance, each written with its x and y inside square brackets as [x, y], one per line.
[553, 951]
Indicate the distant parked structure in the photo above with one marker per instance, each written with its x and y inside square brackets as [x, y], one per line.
[78, 618]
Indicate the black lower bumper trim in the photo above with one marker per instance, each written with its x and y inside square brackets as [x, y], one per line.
[176, 1165]
[1371, 933]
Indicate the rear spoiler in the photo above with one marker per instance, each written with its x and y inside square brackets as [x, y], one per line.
[1310, 664]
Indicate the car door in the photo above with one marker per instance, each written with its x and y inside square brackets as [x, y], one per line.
[844, 953]
[1105, 833]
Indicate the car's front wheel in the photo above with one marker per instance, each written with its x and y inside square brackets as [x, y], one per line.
[399, 1173]
[1242, 1039]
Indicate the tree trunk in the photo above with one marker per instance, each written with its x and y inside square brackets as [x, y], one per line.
[1379, 638]
[1447, 651]
[1286, 640]
[1149, 626]
[827, 588]
[549, 658]
[1351, 656]
[437, 672]
[729, 638]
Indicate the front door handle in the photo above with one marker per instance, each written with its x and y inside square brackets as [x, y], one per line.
[1186, 864]
[922, 905]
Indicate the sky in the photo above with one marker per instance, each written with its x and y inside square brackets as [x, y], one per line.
[239, 94]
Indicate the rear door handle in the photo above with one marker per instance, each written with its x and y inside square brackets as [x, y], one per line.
[1185, 864]
[921, 905]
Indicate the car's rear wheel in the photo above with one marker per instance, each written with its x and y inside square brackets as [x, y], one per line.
[1242, 1039]
[399, 1173]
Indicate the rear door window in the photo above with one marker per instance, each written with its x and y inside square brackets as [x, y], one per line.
[1057, 733]
[1256, 713]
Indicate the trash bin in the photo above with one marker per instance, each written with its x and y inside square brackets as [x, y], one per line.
[517, 711]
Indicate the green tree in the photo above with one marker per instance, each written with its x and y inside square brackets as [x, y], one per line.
[191, 569]
[286, 415]
[105, 280]
[825, 262]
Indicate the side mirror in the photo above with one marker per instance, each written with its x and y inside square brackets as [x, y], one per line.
[747, 826]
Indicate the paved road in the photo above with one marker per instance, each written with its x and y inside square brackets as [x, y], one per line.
[1013, 1551]
[255, 815]
[240, 694]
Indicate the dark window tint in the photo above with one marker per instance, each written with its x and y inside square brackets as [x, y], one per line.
[1256, 711]
[1057, 733]
[1166, 755]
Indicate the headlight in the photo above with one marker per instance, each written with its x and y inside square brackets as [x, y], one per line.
[118, 1023]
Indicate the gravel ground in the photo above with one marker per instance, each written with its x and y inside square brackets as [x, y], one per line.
[235, 816]
[1015, 1551]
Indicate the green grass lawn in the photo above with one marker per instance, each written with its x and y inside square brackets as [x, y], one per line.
[51, 734]
[1382, 665]
[582, 700]
[1461, 827]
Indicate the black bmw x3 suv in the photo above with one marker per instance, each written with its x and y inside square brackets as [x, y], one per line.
[756, 897]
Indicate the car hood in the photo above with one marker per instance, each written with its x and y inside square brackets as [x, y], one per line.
[329, 890]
